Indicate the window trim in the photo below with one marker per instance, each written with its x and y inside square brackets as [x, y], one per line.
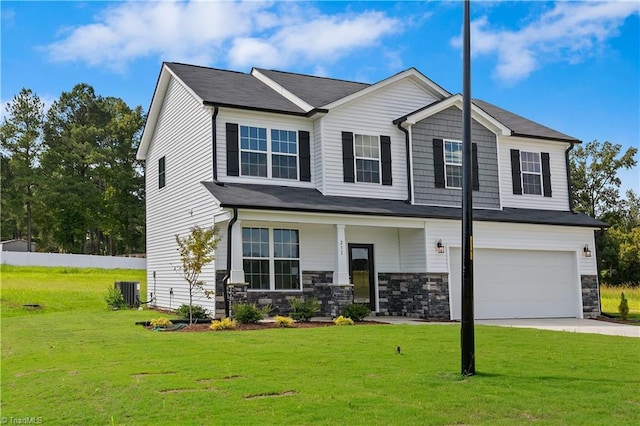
[356, 158]
[272, 259]
[539, 174]
[269, 153]
[446, 163]
[162, 172]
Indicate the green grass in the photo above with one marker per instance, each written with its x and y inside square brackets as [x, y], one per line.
[94, 366]
[59, 289]
[610, 298]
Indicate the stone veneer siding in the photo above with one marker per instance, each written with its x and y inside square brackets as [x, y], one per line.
[417, 295]
[590, 296]
[314, 284]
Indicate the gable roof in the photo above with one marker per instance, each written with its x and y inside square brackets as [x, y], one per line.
[316, 91]
[284, 198]
[521, 126]
[232, 88]
[508, 122]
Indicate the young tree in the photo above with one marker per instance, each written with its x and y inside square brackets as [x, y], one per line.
[594, 179]
[21, 135]
[196, 251]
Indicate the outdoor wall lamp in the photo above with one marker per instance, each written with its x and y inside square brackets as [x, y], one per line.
[439, 247]
[586, 252]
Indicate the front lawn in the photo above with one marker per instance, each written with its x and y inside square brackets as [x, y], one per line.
[78, 363]
[98, 367]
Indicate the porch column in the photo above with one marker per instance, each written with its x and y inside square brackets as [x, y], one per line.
[341, 273]
[235, 239]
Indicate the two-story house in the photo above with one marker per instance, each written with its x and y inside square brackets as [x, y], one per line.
[350, 191]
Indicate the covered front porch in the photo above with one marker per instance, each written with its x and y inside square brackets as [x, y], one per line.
[338, 259]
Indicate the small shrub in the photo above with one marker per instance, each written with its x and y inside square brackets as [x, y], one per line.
[115, 299]
[343, 321]
[223, 324]
[248, 313]
[285, 322]
[304, 311]
[161, 322]
[623, 307]
[356, 311]
[198, 312]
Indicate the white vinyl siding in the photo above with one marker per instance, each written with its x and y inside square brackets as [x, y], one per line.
[557, 168]
[371, 115]
[512, 236]
[183, 135]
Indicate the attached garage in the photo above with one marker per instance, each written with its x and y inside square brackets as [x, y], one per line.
[519, 284]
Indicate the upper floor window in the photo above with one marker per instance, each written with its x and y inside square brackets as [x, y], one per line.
[270, 153]
[161, 173]
[271, 258]
[531, 173]
[254, 153]
[367, 159]
[284, 157]
[453, 163]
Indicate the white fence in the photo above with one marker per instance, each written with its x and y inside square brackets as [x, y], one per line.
[71, 260]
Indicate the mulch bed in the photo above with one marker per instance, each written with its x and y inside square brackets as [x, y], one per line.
[198, 328]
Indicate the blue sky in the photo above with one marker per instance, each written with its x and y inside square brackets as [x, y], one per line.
[573, 66]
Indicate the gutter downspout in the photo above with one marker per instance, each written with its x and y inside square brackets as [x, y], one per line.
[409, 177]
[226, 279]
[214, 142]
[569, 186]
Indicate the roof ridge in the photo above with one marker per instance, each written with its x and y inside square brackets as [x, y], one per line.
[207, 68]
[314, 76]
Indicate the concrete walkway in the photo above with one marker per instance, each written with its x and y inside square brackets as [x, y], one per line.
[573, 325]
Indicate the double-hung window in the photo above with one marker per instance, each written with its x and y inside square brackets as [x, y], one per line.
[271, 258]
[531, 173]
[284, 154]
[253, 151]
[257, 145]
[453, 163]
[367, 155]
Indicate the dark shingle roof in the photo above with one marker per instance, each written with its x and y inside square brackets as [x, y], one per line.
[316, 91]
[271, 197]
[521, 126]
[231, 88]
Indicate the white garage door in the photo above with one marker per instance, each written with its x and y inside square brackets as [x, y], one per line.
[518, 284]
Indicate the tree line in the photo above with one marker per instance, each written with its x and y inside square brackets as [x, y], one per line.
[70, 180]
[596, 192]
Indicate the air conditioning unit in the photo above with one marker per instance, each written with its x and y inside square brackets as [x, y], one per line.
[130, 291]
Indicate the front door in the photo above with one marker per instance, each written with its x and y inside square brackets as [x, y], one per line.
[362, 274]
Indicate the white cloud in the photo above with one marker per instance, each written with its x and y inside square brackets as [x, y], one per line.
[318, 38]
[571, 32]
[240, 33]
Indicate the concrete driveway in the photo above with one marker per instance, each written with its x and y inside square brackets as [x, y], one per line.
[573, 325]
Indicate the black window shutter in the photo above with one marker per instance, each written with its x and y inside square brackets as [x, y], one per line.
[385, 154]
[232, 150]
[347, 156]
[305, 156]
[476, 174]
[515, 172]
[546, 174]
[438, 162]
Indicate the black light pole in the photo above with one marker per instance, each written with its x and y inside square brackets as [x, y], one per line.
[467, 338]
